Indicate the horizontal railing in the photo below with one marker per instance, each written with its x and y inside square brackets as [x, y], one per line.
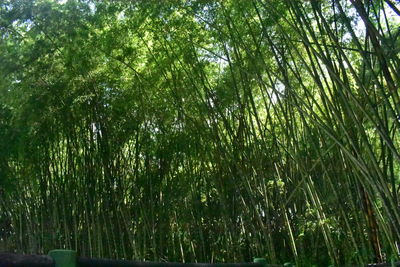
[69, 258]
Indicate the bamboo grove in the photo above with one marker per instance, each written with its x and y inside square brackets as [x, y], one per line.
[201, 130]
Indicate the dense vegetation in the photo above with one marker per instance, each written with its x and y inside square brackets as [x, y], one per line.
[201, 130]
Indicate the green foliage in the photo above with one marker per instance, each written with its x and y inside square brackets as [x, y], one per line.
[201, 130]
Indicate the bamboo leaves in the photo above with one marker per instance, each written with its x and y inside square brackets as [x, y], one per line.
[200, 130]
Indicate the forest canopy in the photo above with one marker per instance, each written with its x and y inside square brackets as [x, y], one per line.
[201, 131]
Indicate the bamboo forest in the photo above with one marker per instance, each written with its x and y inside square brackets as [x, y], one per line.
[201, 130]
